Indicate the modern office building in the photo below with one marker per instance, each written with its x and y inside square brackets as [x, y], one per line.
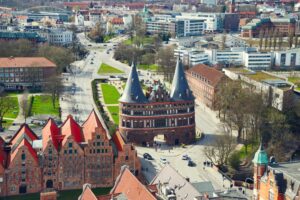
[164, 114]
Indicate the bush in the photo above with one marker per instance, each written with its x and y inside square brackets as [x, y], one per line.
[234, 160]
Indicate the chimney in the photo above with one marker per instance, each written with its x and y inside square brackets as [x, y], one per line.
[48, 195]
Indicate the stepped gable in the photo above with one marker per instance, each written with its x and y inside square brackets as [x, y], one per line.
[133, 92]
[52, 131]
[118, 140]
[24, 142]
[70, 127]
[180, 90]
[24, 131]
[91, 124]
[128, 185]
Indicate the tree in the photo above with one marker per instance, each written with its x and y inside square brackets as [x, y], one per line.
[24, 104]
[280, 38]
[97, 33]
[271, 34]
[223, 40]
[148, 59]
[290, 40]
[62, 57]
[224, 144]
[275, 39]
[166, 61]
[296, 41]
[53, 86]
[266, 38]
[6, 105]
[261, 36]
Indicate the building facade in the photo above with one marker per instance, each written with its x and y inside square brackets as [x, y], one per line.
[274, 180]
[204, 82]
[57, 36]
[160, 113]
[18, 73]
[65, 158]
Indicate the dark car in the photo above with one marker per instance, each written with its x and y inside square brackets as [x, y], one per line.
[147, 156]
[191, 163]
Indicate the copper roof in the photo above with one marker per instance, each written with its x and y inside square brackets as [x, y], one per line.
[212, 75]
[26, 62]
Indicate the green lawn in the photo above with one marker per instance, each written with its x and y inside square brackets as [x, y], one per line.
[62, 195]
[107, 69]
[250, 151]
[295, 80]
[110, 94]
[42, 104]
[114, 111]
[152, 67]
[146, 40]
[13, 112]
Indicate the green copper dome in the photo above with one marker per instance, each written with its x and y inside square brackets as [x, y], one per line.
[261, 156]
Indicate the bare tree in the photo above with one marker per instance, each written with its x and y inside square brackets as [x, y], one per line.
[290, 40]
[275, 39]
[296, 41]
[280, 41]
[261, 36]
[53, 86]
[6, 104]
[266, 35]
[24, 104]
[166, 61]
[224, 144]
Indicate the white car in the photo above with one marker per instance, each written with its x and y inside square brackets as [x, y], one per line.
[163, 161]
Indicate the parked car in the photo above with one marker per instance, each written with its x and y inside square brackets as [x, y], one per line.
[163, 161]
[191, 163]
[147, 156]
[185, 157]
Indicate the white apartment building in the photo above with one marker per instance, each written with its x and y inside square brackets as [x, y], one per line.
[57, 36]
[287, 59]
[79, 20]
[257, 60]
[212, 21]
[190, 26]
[192, 57]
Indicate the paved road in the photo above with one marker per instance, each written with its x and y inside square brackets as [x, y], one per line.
[81, 101]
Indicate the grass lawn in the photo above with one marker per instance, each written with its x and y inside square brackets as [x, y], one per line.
[13, 112]
[152, 67]
[146, 40]
[114, 111]
[107, 69]
[110, 94]
[42, 104]
[250, 151]
[295, 80]
[260, 76]
[62, 195]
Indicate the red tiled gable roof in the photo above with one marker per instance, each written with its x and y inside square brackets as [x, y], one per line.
[24, 129]
[52, 131]
[117, 20]
[212, 75]
[89, 126]
[70, 127]
[26, 62]
[88, 194]
[22, 143]
[118, 140]
[131, 187]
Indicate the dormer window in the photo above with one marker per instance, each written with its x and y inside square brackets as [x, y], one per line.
[23, 156]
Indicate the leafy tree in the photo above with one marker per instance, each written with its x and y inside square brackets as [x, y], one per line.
[97, 33]
[6, 104]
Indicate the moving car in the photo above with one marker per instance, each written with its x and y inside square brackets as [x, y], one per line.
[163, 161]
[191, 163]
[185, 157]
[147, 156]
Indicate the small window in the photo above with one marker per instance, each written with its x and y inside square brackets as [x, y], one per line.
[126, 157]
[98, 136]
[98, 143]
[75, 151]
[65, 152]
[23, 156]
[70, 144]
[98, 150]
[70, 151]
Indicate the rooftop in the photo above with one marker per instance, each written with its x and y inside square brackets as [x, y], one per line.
[26, 62]
[291, 169]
